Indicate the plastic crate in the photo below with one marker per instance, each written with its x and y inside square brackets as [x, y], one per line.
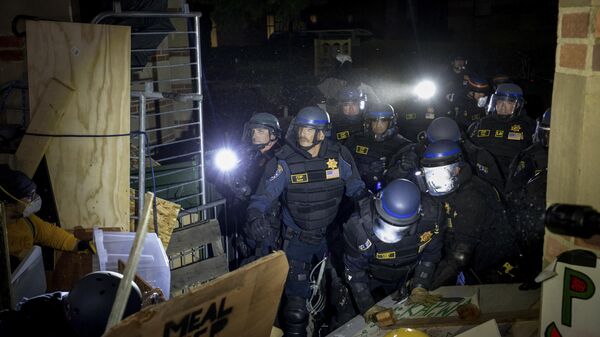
[153, 266]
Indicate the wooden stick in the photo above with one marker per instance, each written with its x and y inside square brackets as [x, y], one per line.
[124, 289]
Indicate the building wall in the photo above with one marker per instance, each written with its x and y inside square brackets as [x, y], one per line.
[574, 153]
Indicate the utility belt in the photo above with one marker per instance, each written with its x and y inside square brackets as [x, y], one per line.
[313, 237]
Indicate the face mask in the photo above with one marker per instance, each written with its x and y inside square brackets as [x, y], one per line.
[440, 180]
[33, 206]
[481, 102]
[389, 233]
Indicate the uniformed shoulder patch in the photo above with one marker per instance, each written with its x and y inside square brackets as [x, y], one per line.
[483, 133]
[365, 245]
[277, 173]
[342, 135]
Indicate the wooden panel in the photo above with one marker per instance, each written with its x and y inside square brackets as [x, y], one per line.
[194, 236]
[46, 118]
[167, 218]
[240, 303]
[90, 176]
[194, 273]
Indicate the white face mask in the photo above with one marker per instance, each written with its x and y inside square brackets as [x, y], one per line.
[389, 233]
[33, 206]
[440, 180]
[482, 101]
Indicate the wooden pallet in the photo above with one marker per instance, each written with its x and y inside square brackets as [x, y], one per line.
[188, 274]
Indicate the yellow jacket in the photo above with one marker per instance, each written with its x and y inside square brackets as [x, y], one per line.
[25, 232]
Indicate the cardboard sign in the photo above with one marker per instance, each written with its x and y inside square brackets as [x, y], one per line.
[241, 303]
[570, 301]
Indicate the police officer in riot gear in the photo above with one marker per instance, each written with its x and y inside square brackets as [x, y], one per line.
[471, 107]
[507, 130]
[377, 144]
[263, 133]
[534, 159]
[526, 197]
[348, 119]
[456, 78]
[482, 162]
[477, 239]
[393, 244]
[311, 174]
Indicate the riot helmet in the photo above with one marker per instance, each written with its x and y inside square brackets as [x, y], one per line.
[398, 208]
[507, 102]
[306, 127]
[542, 129]
[478, 89]
[261, 129]
[500, 78]
[351, 102]
[380, 121]
[440, 166]
[443, 128]
[90, 302]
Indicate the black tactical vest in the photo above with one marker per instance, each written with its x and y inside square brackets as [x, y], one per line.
[344, 128]
[316, 187]
[393, 262]
[366, 150]
[504, 139]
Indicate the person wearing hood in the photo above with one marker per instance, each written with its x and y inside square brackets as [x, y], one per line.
[24, 228]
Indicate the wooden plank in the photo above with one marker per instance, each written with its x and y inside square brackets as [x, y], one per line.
[167, 218]
[240, 303]
[500, 317]
[90, 176]
[46, 118]
[5, 285]
[193, 236]
[195, 273]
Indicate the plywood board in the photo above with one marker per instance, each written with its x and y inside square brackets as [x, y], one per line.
[46, 118]
[167, 218]
[241, 303]
[90, 176]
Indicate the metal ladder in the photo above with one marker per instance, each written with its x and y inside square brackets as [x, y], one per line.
[167, 109]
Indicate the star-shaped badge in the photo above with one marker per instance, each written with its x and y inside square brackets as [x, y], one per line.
[332, 164]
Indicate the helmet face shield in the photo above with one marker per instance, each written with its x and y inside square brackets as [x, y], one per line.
[441, 180]
[507, 101]
[389, 233]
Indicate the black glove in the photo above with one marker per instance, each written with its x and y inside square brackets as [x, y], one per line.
[258, 228]
[377, 166]
[409, 161]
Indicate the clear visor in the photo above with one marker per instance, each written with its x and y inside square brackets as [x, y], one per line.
[503, 105]
[442, 179]
[389, 233]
